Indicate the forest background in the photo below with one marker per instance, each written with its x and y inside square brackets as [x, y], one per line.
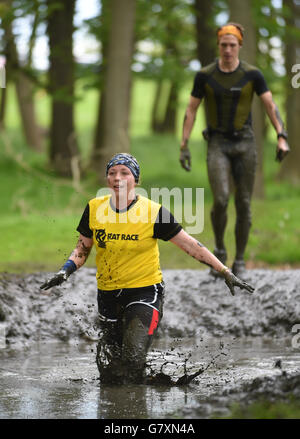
[61, 120]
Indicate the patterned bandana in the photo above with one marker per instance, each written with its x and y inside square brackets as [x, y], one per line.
[126, 160]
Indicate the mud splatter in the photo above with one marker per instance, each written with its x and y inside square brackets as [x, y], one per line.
[195, 305]
[177, 369]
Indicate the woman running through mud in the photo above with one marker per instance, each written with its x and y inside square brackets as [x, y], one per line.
[125, 228]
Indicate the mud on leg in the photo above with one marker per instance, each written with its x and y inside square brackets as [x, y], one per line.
[140, 323]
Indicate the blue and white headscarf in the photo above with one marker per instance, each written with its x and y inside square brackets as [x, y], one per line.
[126, 160]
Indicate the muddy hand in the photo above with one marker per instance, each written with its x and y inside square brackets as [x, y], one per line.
[58, 279]
[282, 150]
[232, 281]
[185, 159]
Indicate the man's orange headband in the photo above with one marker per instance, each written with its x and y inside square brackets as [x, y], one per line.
[230, 29]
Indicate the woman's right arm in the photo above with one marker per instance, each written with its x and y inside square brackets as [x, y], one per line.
[82, 250]
[77, 258]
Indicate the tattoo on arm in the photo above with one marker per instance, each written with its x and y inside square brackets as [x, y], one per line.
[202, 261]
[278, 117]
[192, 253]
[81, 252]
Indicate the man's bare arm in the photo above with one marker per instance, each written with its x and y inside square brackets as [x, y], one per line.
[272, 111]
[277, 122]
[189, 120]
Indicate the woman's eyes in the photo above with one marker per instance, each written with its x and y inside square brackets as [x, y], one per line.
[125, 173]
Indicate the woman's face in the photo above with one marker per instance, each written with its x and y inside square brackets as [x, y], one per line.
[121, 180]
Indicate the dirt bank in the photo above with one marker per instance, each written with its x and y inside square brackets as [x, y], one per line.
[195, 304]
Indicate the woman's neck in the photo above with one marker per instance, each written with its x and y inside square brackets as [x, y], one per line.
[120, 202]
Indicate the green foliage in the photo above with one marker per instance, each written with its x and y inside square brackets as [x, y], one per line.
[40, 212]
[264, 409]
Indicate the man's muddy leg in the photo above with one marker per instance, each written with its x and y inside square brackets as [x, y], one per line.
[218, 167]
[244, 176]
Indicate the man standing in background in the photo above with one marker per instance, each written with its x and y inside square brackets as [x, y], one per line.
[227, 87]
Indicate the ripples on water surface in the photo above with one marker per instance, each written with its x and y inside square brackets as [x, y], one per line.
[60, 380]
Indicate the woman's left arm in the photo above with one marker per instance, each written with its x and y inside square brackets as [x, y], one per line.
[198, 251]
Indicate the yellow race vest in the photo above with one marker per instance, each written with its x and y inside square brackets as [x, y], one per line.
[127, 255]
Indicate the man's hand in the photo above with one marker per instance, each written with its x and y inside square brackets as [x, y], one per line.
[282, 149]
[57, 279]
[185, 158]
[232, 281]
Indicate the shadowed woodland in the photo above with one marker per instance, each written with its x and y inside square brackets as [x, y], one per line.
[60, 124]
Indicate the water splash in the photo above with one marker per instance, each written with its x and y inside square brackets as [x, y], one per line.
[176, 369]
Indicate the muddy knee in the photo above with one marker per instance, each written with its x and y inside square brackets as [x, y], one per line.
[220, 205]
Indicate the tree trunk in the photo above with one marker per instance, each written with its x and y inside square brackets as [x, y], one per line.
[241, 12]
[24, 89]
[164, 108]
[205, 31]
[169, 122]
[2, 108]
[99, 130]
[117, 82]
[166, 122]
[63, 143]
[155, 120]
[98, 141]
[290, 169]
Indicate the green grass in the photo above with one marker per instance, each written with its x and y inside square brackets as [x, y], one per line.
[264, 409]
[40, 213]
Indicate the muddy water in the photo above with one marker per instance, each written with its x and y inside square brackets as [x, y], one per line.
[234, 345]
[60, 380]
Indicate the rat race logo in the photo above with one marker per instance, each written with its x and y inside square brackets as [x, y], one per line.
[102, 237]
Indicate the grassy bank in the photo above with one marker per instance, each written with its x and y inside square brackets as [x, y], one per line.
[264, 409]
[40, 213]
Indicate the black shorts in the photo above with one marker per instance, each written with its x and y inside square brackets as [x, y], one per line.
[146, 302]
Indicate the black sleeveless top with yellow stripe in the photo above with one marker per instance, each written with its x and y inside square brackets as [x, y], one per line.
[228, 95]
[127, 254]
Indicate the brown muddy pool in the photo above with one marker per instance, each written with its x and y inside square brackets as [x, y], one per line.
[59, 380]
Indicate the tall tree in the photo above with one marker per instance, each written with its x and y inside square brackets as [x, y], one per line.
[64, 153]
[17, 71]
[102, 34]
[117, 81]
[172, 30]
[290, 169]
[164, 110]
[242, 12]
[205, 31]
